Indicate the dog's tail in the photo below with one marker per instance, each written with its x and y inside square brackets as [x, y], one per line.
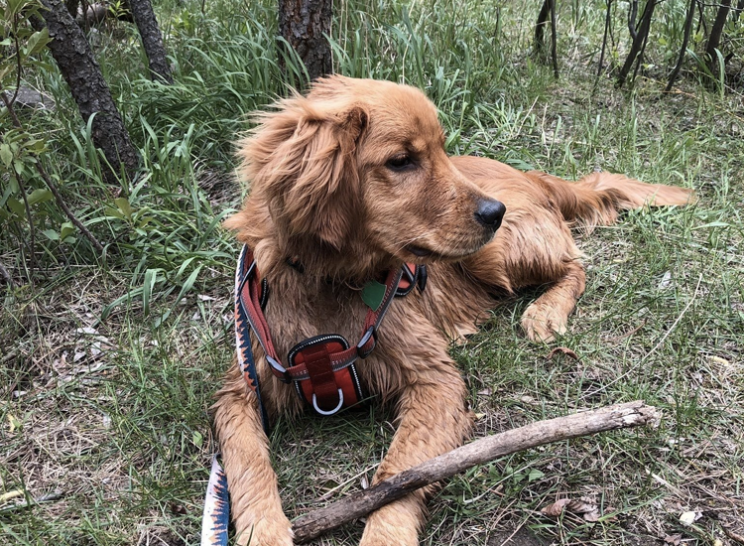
[597, 198]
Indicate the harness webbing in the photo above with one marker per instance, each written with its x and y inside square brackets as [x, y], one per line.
[322, 367]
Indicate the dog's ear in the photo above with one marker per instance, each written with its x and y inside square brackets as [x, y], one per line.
[302, 162]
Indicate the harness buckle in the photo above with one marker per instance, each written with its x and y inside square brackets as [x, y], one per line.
[284, 376]
[334, 410]
[371, 333]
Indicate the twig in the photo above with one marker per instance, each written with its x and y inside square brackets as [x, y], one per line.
[481, 451]
[328, 494]
[736, 537]
[31, 227]
[51, 497]
[52, 186]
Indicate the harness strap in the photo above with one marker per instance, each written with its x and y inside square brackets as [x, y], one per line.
[321, 367]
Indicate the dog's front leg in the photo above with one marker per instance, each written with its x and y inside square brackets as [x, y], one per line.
[254, 495]
[433, 419]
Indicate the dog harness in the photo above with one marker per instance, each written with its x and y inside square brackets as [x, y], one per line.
[322, 367]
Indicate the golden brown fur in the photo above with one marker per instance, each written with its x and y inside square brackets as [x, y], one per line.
[326, 189]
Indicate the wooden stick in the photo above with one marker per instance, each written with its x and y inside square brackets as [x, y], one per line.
[481, 451]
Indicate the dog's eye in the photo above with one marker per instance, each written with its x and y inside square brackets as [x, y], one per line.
[399, 162]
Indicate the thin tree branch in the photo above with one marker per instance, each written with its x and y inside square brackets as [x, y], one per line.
[604, 38]
[52, 186]
[632, 15]
[639, 43]
[683, 49]
[554, 38]
[32, 229]
[619, 416]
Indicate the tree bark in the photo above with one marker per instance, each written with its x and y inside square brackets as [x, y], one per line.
[714, 40]
[75, 59]
[486, 449]
[152, 40]
[542, 22]
[304, 24]
[554, 38]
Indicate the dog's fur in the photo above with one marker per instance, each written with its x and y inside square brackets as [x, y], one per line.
[324, 192]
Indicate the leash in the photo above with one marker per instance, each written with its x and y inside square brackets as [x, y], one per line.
[216, 515]
[321, 367]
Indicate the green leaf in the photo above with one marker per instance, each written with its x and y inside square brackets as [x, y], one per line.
[188, 285]
[17, 207]
[37, 41]
[35, 146]
[113, 213]
[15, 7]
[118, 301]
[39, 196]
[124, 206]
[5, 154]
[151, 276]
[51, 234]
[535, 475]
[66, 230]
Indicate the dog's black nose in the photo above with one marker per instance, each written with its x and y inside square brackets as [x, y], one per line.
[490, 213]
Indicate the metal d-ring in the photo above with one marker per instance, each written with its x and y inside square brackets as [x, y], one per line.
[334, 410]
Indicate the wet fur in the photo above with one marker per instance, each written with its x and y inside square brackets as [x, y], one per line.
[322, 192]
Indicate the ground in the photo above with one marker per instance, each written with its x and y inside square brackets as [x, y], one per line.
[108, 365]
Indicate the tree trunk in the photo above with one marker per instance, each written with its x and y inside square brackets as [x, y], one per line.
[152, 40]
[714, 40]
[639, 42]
[542, 22]
[73, 55]
[304, 24]
[553, 39]
[683, 49]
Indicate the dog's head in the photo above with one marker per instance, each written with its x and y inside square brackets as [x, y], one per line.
[359, 166]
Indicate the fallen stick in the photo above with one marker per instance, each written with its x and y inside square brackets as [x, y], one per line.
[317, 522]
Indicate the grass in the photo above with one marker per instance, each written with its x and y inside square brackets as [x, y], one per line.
[109, 363]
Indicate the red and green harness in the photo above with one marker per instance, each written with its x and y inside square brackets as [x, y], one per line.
[322, 368]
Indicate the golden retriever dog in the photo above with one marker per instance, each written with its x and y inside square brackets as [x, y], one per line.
[347, 183]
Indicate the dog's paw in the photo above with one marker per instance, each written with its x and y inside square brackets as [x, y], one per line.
[275, 532]
[541, 323]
